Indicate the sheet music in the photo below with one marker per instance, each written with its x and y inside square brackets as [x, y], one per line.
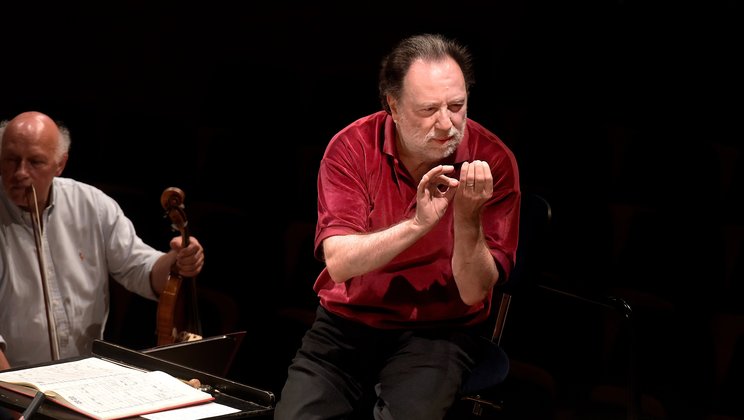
[107, 390]
[51, 376]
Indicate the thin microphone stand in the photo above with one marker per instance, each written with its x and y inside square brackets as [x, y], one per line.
[38, 231]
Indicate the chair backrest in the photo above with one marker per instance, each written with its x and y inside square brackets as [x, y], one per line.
[534, 223]
[535, 216]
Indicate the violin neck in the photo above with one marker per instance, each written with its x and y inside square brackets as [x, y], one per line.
[185, 237]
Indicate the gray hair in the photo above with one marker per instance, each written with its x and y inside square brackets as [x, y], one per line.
[431, 47]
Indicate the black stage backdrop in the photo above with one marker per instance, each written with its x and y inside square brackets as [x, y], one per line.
[624, 114]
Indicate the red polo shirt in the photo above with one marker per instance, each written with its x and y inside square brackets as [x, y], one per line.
[362, 187]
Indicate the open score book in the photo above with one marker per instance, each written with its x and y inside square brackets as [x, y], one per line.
[104, 390]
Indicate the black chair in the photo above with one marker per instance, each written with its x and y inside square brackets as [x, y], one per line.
[519, 386]
[480, 395]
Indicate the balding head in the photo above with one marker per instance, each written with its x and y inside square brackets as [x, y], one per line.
[34, 123]
[33, 150]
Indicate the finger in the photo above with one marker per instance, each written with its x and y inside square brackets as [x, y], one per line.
[435, 181]
[437, 171]
[464, 172]
[466, 179]
[446, 182]
[446, 169]
[471, 176]
[484, 180]
[479, 173]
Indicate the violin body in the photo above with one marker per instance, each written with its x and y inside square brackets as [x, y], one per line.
[171, 307]
[177, 314]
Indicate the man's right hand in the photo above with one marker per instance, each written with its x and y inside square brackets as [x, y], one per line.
[435, 191]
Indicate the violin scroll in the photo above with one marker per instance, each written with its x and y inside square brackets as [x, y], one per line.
[172, 201]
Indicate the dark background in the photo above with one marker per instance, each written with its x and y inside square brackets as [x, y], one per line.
[623, 114]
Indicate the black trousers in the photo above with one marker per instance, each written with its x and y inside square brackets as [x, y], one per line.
[347, 370]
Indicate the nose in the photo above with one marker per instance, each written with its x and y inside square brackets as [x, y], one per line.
[444, 122]
[22, 170]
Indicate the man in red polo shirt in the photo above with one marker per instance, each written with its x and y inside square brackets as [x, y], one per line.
[417, 221]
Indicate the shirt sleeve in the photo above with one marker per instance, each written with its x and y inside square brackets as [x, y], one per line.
[343, 206]
[129, 258]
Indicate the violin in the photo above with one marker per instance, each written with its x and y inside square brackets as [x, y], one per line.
[178, 312]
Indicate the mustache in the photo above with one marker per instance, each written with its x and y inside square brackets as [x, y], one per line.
[453, 132]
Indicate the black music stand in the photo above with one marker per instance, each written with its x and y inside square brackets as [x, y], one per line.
[252, 402]
[213, 355]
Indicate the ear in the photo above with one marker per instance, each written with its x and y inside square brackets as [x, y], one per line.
[393, 104]
[61, 165]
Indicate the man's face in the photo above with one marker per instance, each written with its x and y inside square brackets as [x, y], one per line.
[432, 110]
[28, 158]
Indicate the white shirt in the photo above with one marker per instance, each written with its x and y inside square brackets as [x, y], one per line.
[86, 237]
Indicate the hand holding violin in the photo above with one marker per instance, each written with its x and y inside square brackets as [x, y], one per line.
[189, 260]
[183, 261]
